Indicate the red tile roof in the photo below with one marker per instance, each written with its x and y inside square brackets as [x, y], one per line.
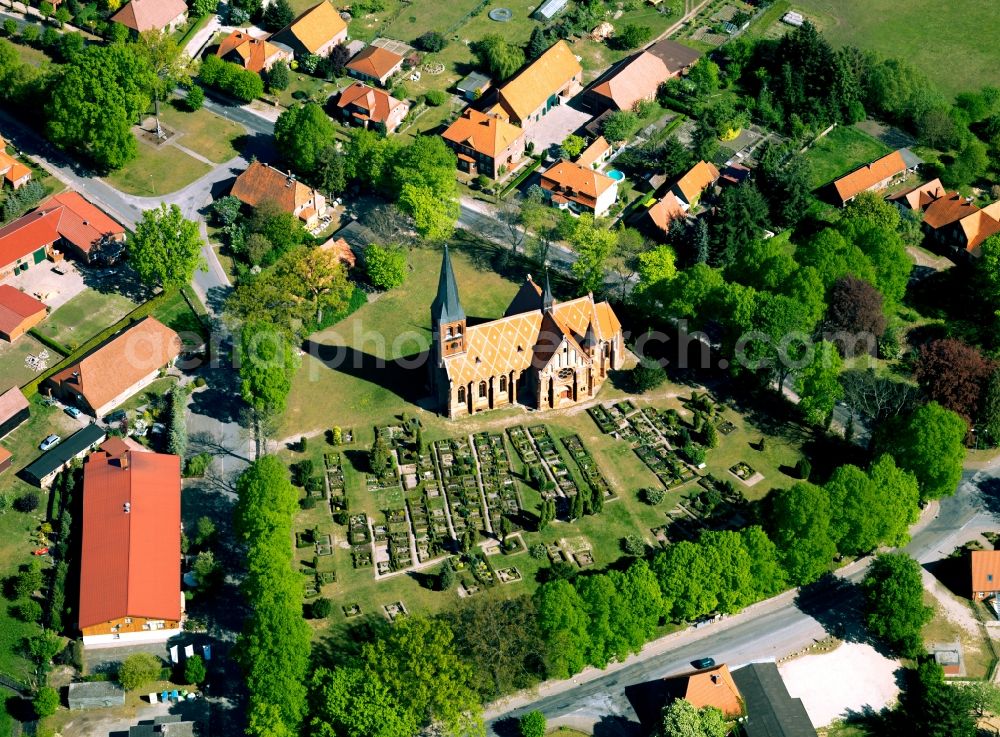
[148, 15]
[130, 562]
[122, 362]
[16, 307]
[261, 183]
[637, 80]
[378, 104]
[252, 52]
[948, 209]
[80, 222]
[985, 570]
[571, 179]
[713, 687]
[859, 180]
[375, 62]
[485, 134]
[665, 211]
[26, 235]
[12, 401]
[696, 179]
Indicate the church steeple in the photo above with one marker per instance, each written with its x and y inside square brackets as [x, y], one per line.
[547, 301]
[446, 306]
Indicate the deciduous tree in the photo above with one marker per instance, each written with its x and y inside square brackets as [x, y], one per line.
[800, 523]
[928, 443]
[818, 384]
[166, 248]
[954, 375]
[894, 596]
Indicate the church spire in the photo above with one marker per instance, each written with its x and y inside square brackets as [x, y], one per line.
[547, 301]
[446, 307]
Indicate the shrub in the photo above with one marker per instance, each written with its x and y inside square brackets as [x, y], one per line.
[46, 702]
[386, 266]
[532, 724]
[204, 531]
[803, 468]
[279, 77]
[436, 98]
[537, 551]
[28, 610]
[653, 495]
[28, 581]
[138, 670]
[10, 27]
[648, 375]
[431, 41]
[194, 669]
[694, 453]
[634, 545]
[232, 79]
[315, 485]
[195, 98]
[631, 36]
[196, 465]
[27, 502]
[321, 608]
[620, 125]
[302, 472]
[308, 503]
[200, 382]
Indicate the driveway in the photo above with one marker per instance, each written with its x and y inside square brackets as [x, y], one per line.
[53, 289]
[851, 678]
[555, 125]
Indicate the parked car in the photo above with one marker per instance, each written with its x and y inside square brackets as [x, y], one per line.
[118, 415]
[702, 663]
[72, 412]
[50, 442]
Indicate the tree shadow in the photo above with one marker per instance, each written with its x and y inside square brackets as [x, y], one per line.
[118, 279]
[989, 495]
[427, 581]
[256, 146]
[837, 604]
[345, 647]
[648, 699]
[505, 727]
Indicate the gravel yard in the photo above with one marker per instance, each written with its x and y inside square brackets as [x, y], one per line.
[851, 677]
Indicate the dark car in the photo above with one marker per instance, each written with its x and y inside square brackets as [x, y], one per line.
[702, 663]
[117, 416]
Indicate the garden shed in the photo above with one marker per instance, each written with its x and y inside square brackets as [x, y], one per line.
[96, 695]
[548, 9]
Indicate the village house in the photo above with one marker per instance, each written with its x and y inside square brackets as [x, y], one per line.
[547, 82]
[708, 687]
[985, 573]
[14, 411]
[771, 710]
[485, 144]
[19, 312]
[689, 188]
[876, 176]
[13, 171]
[118, 369]
[596, 154]
[570, 186]
[342, 250]
[44, 469]
[542, 354]
[263, 183]
[316, 31]
[954, 222]
[368, 105]
[253, 54]
[638, 78]
[63, 224]
[152, 15]
[130, 555]
[664, 211]
[375, 64]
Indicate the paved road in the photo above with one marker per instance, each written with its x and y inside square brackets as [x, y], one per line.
[768, 630]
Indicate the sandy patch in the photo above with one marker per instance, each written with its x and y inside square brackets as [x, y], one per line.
[851, 677]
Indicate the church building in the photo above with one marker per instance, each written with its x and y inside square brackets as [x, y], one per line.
[541, 354]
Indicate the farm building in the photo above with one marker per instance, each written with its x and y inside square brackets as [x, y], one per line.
[44, 470]
[14, 411]
[96, 695]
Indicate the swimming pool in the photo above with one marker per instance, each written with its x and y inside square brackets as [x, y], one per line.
[616, 175]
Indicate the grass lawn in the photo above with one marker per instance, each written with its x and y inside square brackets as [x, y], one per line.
[157, 389]
[843, 150]
[937, 38]
[23, 442]
[306, 87]
[157, 171]
[31, 55]
[85, 316]
[177, 315]
[975, 651]
[204, 132]
[13, 371]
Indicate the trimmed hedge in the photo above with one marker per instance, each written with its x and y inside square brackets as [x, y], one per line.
[49, 343]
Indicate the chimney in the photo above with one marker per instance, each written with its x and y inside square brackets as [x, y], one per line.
[716, 679]
[127, 507]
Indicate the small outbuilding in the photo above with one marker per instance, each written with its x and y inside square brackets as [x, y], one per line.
[549, 9]
[96, 695]
[473, 86]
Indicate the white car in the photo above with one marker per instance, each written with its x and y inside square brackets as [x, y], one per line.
[50, 442]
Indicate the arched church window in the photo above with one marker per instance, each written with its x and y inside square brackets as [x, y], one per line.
[461, 394]
[503, 383]
[482, 388]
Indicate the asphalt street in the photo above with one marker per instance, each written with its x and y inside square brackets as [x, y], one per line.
[760, 633]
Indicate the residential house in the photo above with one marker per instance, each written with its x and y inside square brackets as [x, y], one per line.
[473, 86]
[118, 369]
[14, 411]
[263, 183]
[46, 467]
[253, 54]
[918, 198]
[152, 15]
[664, 211]
[596, 154]
[364, 105]
[708, 687]
[342, 250]
[375, 64]
[358, 237]
[638, 78]
[19, 312]
[574, 187]
[734, 174]
[63, 223]
[130, 551]
[485, 143]
[541, 354]
[771, 710]
[689, 188]
[13, 171]
[316, 31]
[959, 224]
[876, 176]
[985, 573]
[540, 86]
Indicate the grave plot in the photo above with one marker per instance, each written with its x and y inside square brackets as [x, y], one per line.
[429, 534]
[508, 575]
[398, 540]
[526, 451]
[588, 467]
[335, 482]
[360, 539]
[458, 473]
[394, 610]
[549, 454]
[719, 504]
[499, 487]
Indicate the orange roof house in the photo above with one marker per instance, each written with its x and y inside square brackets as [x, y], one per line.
[13, 171]
[585, 188]
[542, 354]
[638, 78]
[316, 31]
[708, 687]
[485, 143]
[84, 228]
[262, 183]
[27, 241]
[119, 368]
[130, 557]
[152, 15]
[665, 211]
[697, 179]
[538, 87]
[875, 176]
[19, 312]
[957, 223]
[985, 570]
[375, 64]
[366, 105]
[919, 197]
[595, 154]
[253, 54]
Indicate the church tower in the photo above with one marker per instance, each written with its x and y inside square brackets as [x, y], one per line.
[447, 316]
[547, 300]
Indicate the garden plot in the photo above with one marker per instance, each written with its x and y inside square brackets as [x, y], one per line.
[496, 478]
[459, 478]
[553, 462]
